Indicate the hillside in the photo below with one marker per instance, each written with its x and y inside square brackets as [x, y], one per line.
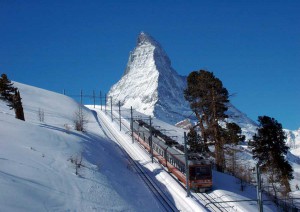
[36, 168]
[36, 173]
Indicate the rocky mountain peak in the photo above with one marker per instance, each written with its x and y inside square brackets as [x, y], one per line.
[145, 38]
[151, 86]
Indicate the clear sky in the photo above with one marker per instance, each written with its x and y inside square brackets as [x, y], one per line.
[252, 46]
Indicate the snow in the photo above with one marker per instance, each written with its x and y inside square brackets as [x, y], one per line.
[151, 86]
[226, 187]
[35, 169]
[35, 166]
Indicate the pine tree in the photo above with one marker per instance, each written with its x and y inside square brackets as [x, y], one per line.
[18, 107]
[195, 142]
[12, 96]
[269, 148]
[233, 134]
[208, 100]
[6, 88]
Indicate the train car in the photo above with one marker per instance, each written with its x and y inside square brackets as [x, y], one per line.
[200, 170]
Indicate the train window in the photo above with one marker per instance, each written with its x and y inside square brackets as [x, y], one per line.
[171, 160]
[200, 172]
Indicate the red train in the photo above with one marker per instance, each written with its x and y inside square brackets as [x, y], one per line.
[200, 169]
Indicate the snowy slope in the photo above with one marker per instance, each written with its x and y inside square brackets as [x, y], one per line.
[36, 173]
[293, 138]
[225, 188]
[151, 86]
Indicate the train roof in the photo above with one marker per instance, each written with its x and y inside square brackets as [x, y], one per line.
[194, 158]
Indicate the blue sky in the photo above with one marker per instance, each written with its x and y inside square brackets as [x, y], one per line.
[252, 46]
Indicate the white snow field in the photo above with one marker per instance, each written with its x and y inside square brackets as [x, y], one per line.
[226, 187]
[36, 173]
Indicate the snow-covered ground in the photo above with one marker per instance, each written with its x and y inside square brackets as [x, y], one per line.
[226, 187]
[36, 173]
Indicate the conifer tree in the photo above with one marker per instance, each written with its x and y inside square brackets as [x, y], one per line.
[6, 88]
[18, 107]
[208, 100]
[195, 142]
[233, 133]
[269, 148]
[12, 96]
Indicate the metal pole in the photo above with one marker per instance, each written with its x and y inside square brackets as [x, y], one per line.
[80, 96]
[131, 123]
[260, 192]
[166, 158]
[258, 189]
[105, 102]
[120, 114]
[150, 142]
[111, 109]
[100, 100]
[186, 167]
[94, 96]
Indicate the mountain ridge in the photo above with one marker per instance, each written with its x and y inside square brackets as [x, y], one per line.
[152, 86]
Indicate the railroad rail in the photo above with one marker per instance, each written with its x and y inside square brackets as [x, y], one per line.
[203, 198]
[213, 206]
[158, 193]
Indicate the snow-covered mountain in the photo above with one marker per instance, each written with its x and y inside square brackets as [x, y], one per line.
[151, 86]
[293, 138]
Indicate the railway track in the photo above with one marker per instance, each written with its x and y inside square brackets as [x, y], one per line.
[203, 198]
[209, 199]
[157, 192]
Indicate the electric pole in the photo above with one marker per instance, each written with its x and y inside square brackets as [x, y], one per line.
[186, 166]
[111, 109]
[100, 100]
[131, 124]
[120, 114]
[94, 97]
[105, 102]
[150, 141]
[80, 96]
[258, 189]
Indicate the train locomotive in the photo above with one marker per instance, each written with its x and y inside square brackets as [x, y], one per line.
[170, 154]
